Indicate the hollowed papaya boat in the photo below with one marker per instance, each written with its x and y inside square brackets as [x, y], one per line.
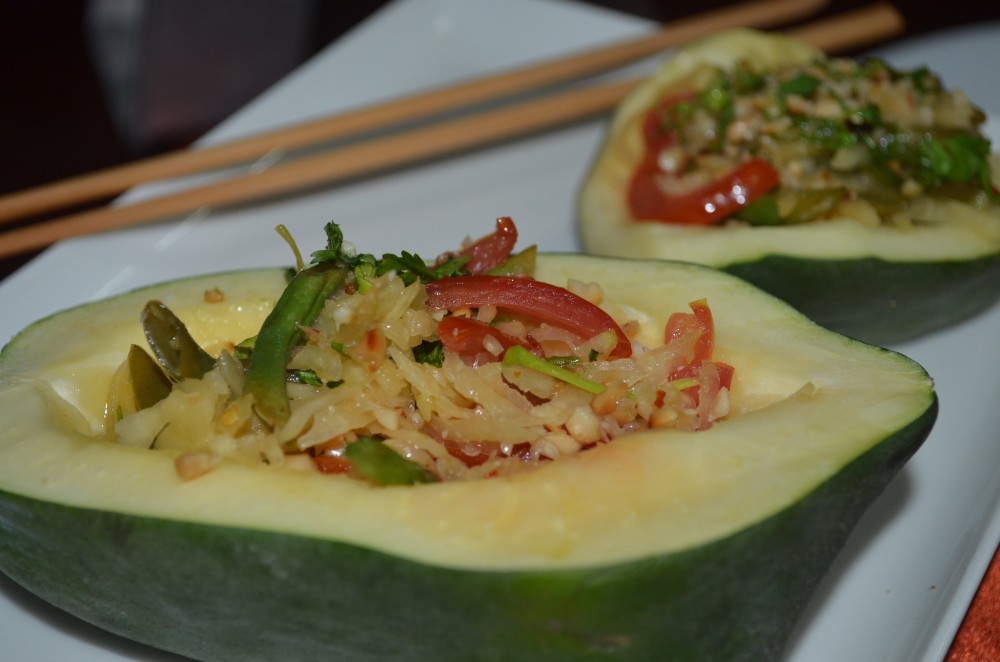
[661, 545]
[860, 194]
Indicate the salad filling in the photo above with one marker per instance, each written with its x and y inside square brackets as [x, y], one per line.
[835, 138]
[396, 370]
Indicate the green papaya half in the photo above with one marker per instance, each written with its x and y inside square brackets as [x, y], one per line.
[664, 545]
[879, 283]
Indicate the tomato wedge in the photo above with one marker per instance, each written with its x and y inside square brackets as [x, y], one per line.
[541, 302]
[707, 205]
[490, 251]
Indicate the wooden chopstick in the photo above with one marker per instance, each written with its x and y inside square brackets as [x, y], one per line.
[847, 31]
[112, 181]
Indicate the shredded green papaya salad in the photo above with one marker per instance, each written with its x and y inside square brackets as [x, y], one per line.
[395, 370]
[835, 138]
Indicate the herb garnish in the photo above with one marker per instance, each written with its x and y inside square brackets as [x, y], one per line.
[409, 267]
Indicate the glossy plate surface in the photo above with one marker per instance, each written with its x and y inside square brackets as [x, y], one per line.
[897, 592]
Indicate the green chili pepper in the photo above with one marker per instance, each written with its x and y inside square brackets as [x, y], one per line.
[300, 304]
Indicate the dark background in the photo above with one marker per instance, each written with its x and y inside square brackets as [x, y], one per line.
[193, 63]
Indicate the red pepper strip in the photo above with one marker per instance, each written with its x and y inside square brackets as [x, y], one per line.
[490, 251]
[530, 298]
[707, 205]
[467, 337]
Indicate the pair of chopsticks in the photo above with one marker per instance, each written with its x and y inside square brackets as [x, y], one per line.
[850, 30]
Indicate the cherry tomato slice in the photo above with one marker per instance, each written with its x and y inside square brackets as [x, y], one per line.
[709, 204]
[530, 298]
[490, 251]
[468, 337]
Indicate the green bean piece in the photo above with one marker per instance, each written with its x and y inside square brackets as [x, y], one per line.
[172, 344]
[299, 304]
[384, 466]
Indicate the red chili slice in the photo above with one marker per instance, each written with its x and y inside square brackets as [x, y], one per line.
[530, 298]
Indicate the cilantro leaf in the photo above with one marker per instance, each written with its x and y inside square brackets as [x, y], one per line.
[410, 267]
[430, 352]
[307, 376]
[334, 244]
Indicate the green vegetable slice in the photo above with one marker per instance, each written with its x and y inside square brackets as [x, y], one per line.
[384, 466]
[173, 346]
